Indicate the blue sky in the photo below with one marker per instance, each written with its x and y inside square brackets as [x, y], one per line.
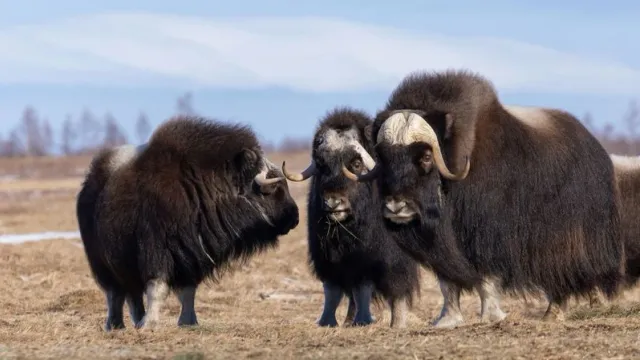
[280, 65]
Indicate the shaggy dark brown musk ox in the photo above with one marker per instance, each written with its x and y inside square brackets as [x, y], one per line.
[627, 170]
[176, 211]
[350, 250]
[527, 194]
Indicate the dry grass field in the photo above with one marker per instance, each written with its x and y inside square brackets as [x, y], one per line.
[50, 306]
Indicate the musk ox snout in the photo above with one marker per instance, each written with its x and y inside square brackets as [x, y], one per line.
[336, 205]
[399, 210]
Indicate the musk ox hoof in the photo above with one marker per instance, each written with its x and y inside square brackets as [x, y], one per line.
[188, 320]
[448, 322]
[147, 323]
[494, 316]
[363, 320]
[327, 322]
[108, 326]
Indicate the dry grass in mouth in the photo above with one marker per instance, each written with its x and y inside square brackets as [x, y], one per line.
[50, 307]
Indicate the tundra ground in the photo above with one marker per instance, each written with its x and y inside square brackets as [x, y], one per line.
[50, 306]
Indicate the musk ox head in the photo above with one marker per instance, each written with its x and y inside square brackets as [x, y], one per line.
[423, 139]
[339, 142]
[224, 168]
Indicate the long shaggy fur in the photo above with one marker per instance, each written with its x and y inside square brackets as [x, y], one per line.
[181, 209]
[360, 248]
[627, 170]
[538, 209]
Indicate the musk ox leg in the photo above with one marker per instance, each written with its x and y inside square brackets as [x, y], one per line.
[490, 301]
[450, 315]
[351, 310]
[157, 292]
[399, 309]
[187, 297]
[362, 296]
[115, 306]
[136, 308]
[596, 299]
[332, 298]
[555, 310]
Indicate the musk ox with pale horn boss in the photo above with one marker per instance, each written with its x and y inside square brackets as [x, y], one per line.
[350, 250]
[527, 195]
[176, 211]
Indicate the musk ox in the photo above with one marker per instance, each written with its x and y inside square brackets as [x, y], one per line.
[350, 250]
[167, 215]
[523, 196]
[627, 170]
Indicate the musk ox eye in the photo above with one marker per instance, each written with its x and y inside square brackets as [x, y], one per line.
[356, 165]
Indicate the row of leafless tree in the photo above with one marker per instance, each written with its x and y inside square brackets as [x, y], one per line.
[34, 135]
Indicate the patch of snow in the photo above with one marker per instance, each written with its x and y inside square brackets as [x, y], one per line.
[48, 235]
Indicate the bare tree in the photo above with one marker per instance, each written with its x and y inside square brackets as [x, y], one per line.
[47, 137]
[587, 120]
[31, 133]
[632, 120]
[184, 105]
[143, 128]
[91, 131]
[14, 145]
[68, 136]
[113, 134]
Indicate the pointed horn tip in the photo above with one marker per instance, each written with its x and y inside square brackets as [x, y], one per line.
[464, 173]
[348, 174]
[289, 176]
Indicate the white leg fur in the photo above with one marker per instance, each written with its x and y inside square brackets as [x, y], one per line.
[490, 301]
[187, 298]
[157, 292]
[399, 309]
[450, 316]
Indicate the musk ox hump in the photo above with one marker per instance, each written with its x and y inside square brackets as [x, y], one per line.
[625, 164]
[121, 156]
[534, 117]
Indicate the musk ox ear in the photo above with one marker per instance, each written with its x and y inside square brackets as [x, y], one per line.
[368, 132]
[247, 163]
[448, 122]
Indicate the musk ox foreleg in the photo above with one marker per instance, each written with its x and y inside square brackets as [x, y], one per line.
[187, 297]
[157, 291]
[115, 305]
[596, 299]
[332, 298]
[556, 310]
[362, 296]
[399, 309]
[490, 301]
[136, 308]
[450, 315]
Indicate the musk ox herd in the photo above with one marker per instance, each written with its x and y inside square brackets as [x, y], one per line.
[489, 197]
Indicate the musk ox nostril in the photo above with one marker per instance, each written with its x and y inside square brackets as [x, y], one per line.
[396, 206]
[332, 202]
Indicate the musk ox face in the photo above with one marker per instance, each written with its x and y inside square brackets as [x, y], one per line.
[411, 167]
[409, 183]
[334, 150]
[267, 191]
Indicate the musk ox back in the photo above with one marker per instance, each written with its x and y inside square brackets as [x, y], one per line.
[528, 194]
[350, 250]
[169, 214]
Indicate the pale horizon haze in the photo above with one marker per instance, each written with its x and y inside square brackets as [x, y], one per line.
[280, 65]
